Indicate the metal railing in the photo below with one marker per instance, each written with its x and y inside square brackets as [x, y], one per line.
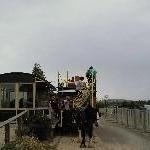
[132, 118]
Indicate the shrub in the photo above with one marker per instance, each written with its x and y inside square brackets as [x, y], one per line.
[38, 126]
[27, 143]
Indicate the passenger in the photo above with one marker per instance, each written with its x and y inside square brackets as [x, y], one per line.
[66, 103]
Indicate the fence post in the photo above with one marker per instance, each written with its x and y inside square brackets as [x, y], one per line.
[127, 118]
[61, 119]
[116, 114]
[135, 119]
[43, 112]
[28, 113]
[122, 115]
[144, 121]
[50, 113]
[7, 133]
[122, 111]
[148, 118]
[19, 122]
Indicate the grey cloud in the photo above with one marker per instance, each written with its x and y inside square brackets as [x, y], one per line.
[112, 35]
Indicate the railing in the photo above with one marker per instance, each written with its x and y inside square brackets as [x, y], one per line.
[18, 120]
[132, 118]
[6, 124]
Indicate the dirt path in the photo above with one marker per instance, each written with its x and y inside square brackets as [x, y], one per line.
[118, 138]
[108, 136]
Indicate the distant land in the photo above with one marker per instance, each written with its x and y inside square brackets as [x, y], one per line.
[122, 100]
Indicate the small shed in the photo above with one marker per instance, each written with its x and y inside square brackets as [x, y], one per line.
[22, 90]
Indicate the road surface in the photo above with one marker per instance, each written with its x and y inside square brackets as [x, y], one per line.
[109, 136]
[114, 137]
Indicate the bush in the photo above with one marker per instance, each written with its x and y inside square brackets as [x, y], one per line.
[38, 126]
[27, 143]
[10, 146]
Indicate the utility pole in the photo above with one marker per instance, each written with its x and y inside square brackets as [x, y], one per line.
[92, 90]
[67, 78]
[58, 80]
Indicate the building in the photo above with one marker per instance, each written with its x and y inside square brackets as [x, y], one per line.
[20, 90]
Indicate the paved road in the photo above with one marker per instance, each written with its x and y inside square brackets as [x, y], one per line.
[113, 137]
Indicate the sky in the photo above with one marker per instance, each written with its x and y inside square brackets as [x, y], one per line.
[111, 35]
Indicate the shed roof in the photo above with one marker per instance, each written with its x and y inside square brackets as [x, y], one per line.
[13, 77]
[22, 77]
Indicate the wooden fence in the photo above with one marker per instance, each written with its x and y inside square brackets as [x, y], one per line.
[18, 120]
[6, 124]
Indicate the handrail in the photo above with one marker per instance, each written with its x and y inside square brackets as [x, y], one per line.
[37, 108]
[20, 114]
[12, 119]
[18, 117]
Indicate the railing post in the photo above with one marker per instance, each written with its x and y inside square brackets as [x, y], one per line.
[7, 133]
[28, 113]
[144, 121]
[34, 94]
[127, 118]
[148, 119]
[122, 116]
[135, 125]
[16, 97]
[116, 114]
[0, 96]
[43, 112]
[19, 122]
[61, 118]
[50, 112]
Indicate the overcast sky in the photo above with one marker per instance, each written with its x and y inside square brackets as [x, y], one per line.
[111, 35]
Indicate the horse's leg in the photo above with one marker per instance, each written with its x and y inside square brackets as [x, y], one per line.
[90, 131]
[83, 138]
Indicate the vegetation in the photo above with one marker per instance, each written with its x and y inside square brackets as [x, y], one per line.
[27, 143]
[123, 103]
[38, 126]
[38, 73]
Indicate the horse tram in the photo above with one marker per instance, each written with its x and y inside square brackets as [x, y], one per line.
[72, 97]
